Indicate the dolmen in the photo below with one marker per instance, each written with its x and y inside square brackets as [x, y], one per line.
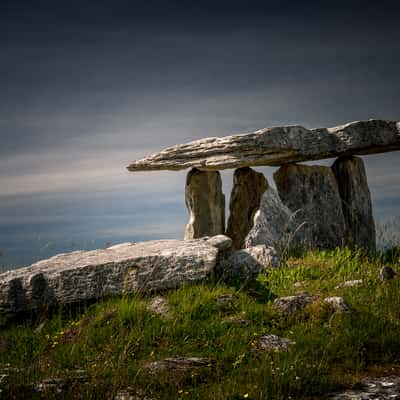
[313, 206]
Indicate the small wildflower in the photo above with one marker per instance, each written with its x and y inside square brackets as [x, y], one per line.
[246, 395]
[180, 391]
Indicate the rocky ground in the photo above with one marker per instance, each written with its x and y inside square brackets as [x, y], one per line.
[323, 326]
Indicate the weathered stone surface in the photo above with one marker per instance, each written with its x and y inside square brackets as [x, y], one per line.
[271, 342]
[177, 365]
[276, 146]
[312, 193]
[299, 284]
[159, 305]
[124, 268]
[61, 385]
[372, 388]
[205, 203]
[274, 224]
[291, 304]
[248, 187]
[221, 242]
[356, 202]
[247, 264]
[353, 283]
[338, 303]
[131, 393]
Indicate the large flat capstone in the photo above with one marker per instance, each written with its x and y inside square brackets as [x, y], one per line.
[125, 268]
[276, 146]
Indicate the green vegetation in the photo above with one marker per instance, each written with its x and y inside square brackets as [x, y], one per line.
[111, 340]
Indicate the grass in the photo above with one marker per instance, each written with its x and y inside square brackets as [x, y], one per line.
[110, 341]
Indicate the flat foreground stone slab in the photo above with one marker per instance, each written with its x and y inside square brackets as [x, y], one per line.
[125, 268]
[276, 146]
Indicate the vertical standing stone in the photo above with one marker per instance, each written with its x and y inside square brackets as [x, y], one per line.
[313, 194]
[356, 201]
[248, 187]
[274, 224]
[205, 203]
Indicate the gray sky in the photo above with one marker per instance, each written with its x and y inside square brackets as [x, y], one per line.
[85, 89]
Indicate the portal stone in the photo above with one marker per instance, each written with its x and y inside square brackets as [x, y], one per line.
[356, 202]
[248, 187]
[312, 193]
[274, 224]
[205, 203]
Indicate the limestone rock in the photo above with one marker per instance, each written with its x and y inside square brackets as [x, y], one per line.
[61, 385]
[178, 365]
[247, 264]
[205, 203]
[356, 202]
[271, 342]
[159, 305]
[274, 224]
[353, 283]
[221, 242]
[126, 268]
[276, 146]
[338, 303]
[372, 388]
[131, 393]
[248, 187]
[312, 193]
[299, 284]
[291, 304]
[55, 385]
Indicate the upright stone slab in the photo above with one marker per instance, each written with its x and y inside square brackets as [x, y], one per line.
[205, 203]
[356, 202]
[313, 194]
[248, 187]
[274, 224]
